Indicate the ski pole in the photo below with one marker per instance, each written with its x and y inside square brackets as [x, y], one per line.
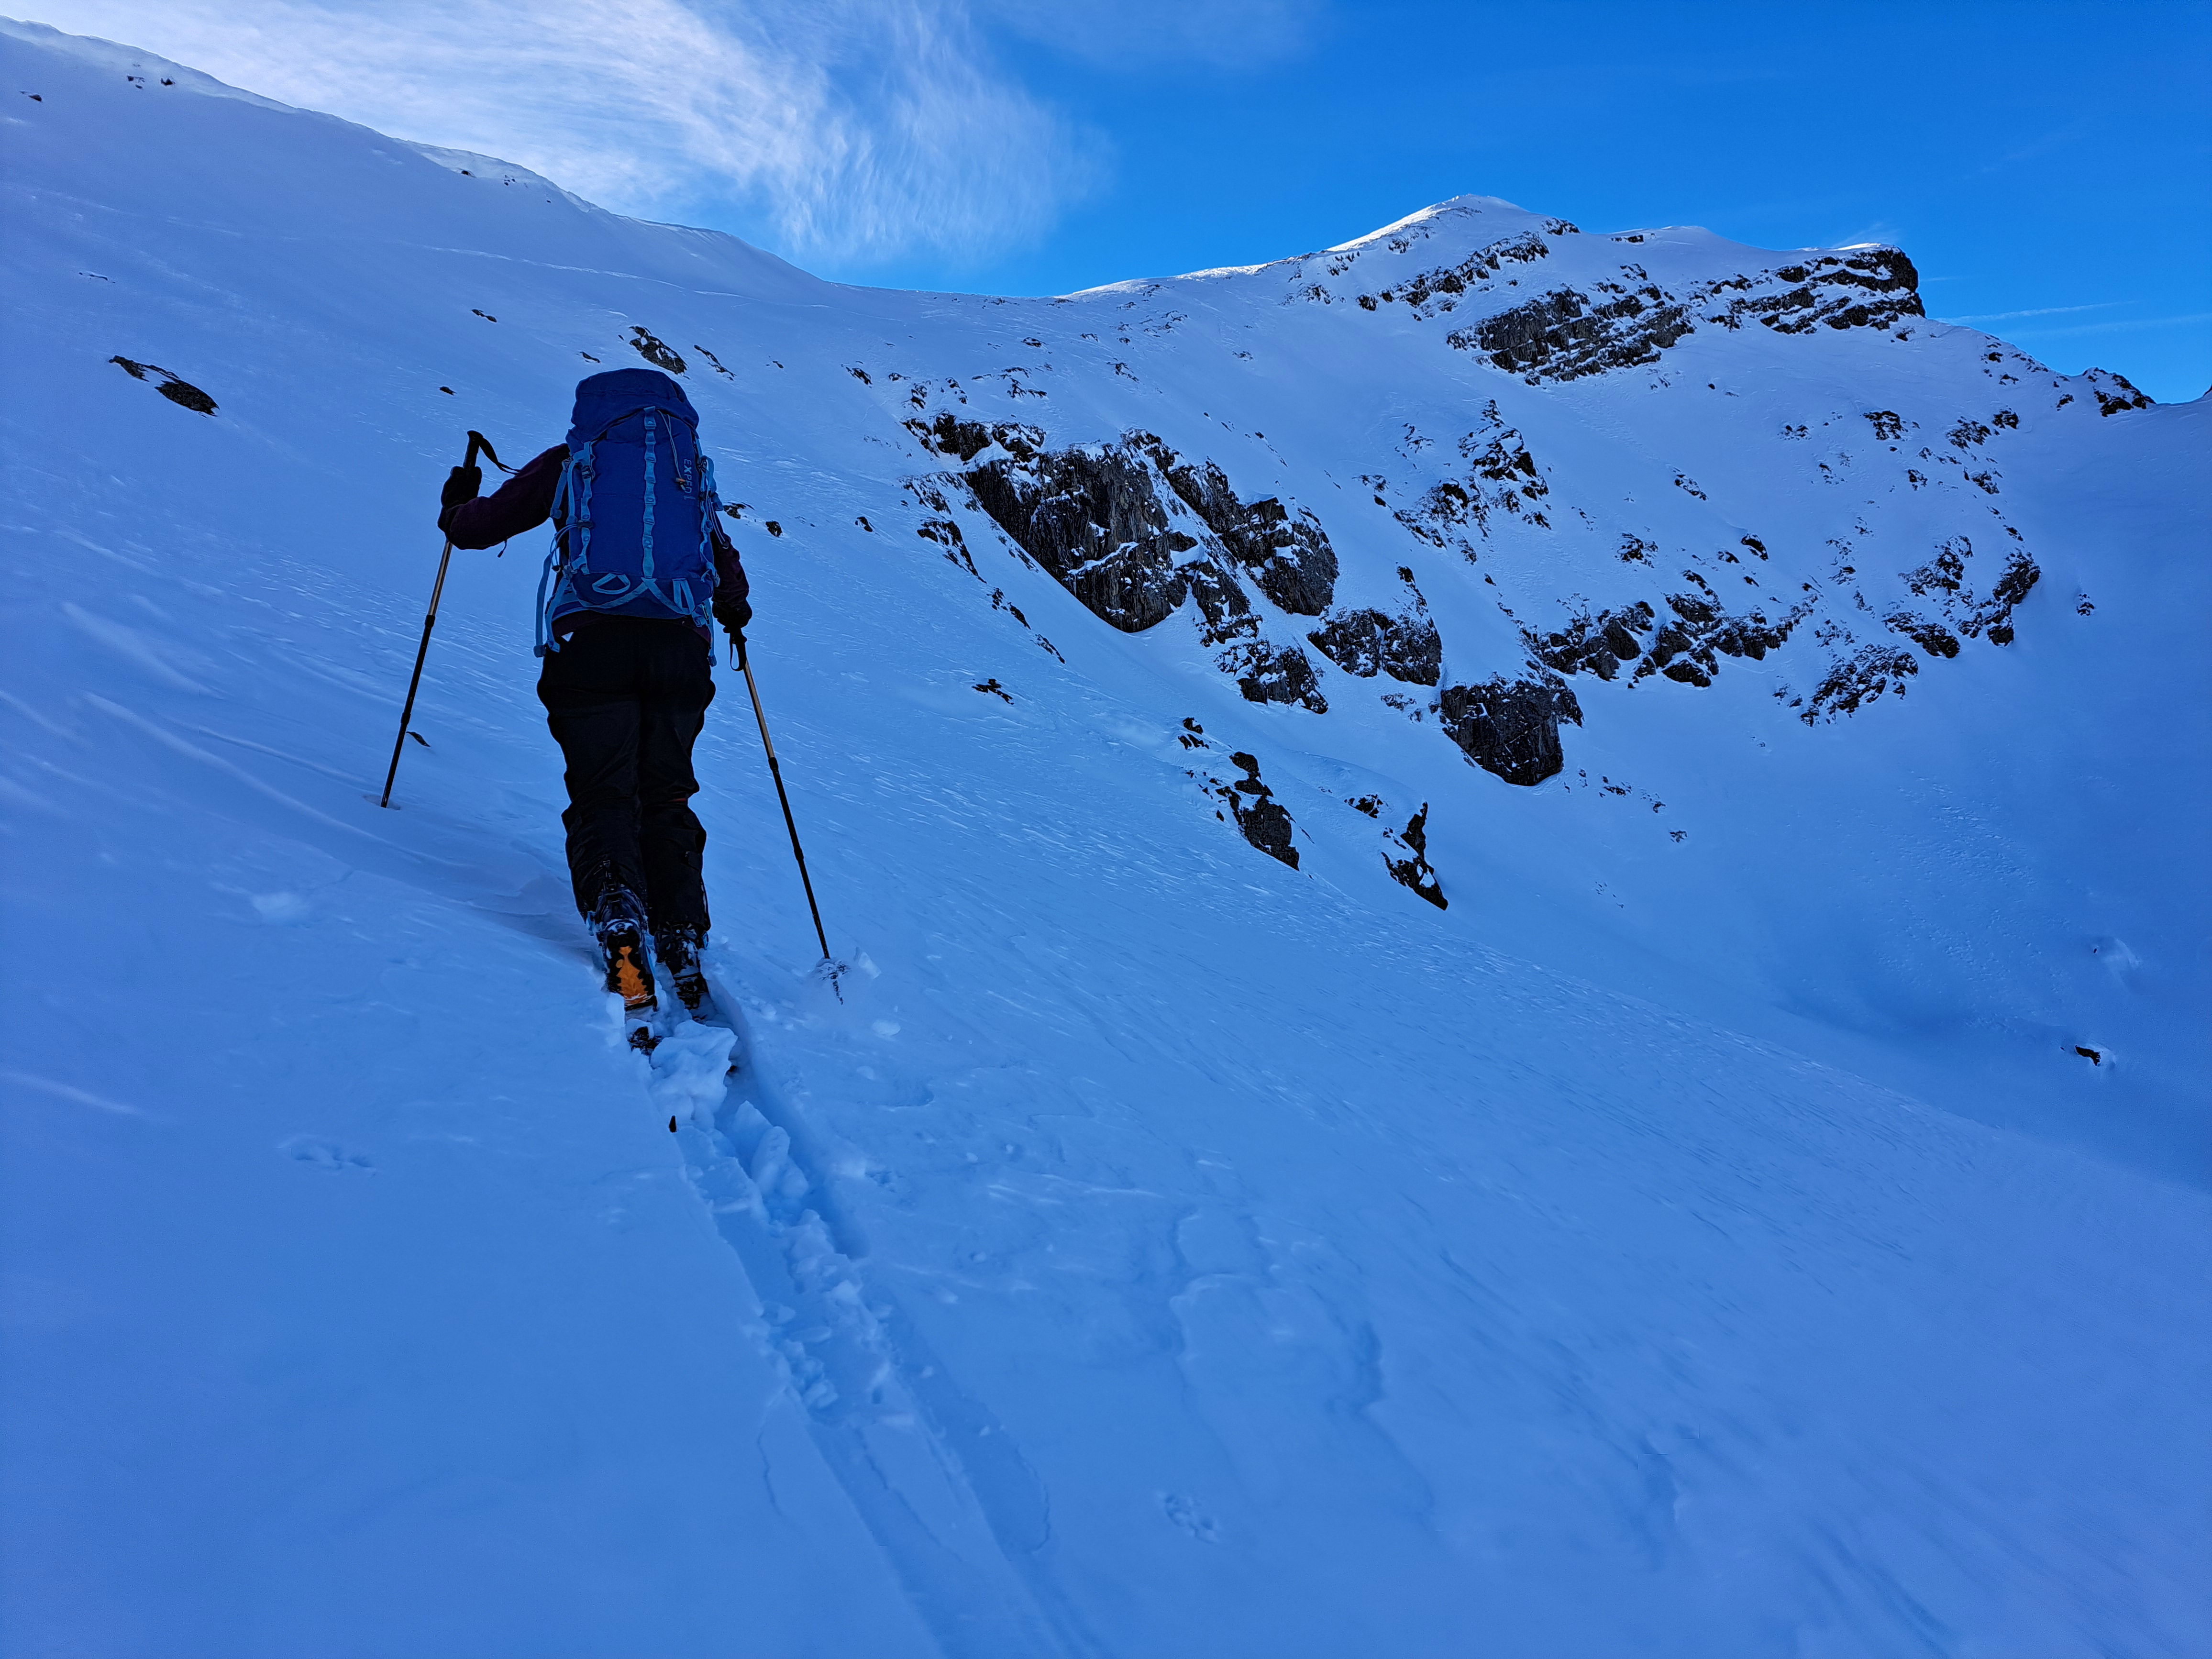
[476, 441]
[776, 772]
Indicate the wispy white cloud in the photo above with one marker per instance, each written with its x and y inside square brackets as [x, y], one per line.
[2119, 327]
[845, 131]
[2039, 311]
[1877, 233]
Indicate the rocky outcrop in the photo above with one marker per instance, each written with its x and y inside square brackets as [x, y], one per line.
[1510, 728]
[1858, 680]
[1874, 670]
[1413, 869]
[1943, 582]
[1866, 287]
[1929, 635]
[1596, 643]
[1686, 646]
[1501, 477]
[963, 440]
[1993, 616]
[1288, 554]
[655, 350]
[1438, 290]
[2114, 392]
[1091, 516]
[1270, 673]
[1368, 642]
[1114, 524]
[1406, 646]
[1445, 513]
[1258, 814]
[1224, 612]
[1564, 334]
[179, 391]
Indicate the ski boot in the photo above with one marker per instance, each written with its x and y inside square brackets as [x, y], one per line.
[618, 923]
[679, 950]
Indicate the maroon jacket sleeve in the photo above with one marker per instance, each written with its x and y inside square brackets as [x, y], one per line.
[732, 608]
[523, 502]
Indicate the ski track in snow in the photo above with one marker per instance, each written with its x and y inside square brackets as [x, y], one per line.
[961, 1517]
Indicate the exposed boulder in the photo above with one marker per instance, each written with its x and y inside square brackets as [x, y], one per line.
[179, 391]
[654, 350]
[1510, 728]
[1368, 642]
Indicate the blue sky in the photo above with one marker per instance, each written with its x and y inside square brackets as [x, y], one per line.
[2048, 166]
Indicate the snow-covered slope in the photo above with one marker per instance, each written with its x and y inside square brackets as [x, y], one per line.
[1758, 1211]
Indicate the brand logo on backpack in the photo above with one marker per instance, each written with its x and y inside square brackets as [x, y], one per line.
[634, 512]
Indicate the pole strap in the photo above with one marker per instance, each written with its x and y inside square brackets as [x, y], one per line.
[478, 440]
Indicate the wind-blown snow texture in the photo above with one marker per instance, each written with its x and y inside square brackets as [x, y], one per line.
[1666, 1120]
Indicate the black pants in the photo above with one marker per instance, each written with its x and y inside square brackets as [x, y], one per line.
[625, 697]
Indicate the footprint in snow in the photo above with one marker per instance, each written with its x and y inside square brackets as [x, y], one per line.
[325, 1154]
[1185, 1513]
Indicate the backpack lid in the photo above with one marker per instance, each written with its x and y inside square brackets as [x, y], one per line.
[601, 398]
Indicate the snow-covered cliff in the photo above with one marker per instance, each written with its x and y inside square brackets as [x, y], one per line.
[1528, 916]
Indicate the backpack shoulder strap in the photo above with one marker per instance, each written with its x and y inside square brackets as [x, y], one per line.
[572, 515]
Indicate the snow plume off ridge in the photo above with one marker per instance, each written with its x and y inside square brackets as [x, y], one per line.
[1528, 916]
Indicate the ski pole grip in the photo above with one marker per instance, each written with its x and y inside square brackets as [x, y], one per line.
[478, 440]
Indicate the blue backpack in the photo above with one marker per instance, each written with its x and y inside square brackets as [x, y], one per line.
[634, 512]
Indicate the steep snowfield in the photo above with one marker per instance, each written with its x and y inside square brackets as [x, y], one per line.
[1707, 1236]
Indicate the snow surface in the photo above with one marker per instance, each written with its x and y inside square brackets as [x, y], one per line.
[1700, 1246]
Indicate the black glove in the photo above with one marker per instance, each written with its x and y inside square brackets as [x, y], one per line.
[462, 484]
[736, 614]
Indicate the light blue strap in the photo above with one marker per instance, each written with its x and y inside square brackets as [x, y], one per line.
[563, 521]
[709, 504]
[580, 497]
[545, 641]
